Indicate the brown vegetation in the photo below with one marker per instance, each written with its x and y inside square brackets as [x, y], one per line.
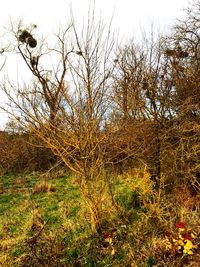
[140, 109]
[22, 152]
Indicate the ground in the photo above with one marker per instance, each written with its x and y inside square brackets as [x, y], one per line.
[44, 221]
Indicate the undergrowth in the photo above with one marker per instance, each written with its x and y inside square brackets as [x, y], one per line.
[44, 222]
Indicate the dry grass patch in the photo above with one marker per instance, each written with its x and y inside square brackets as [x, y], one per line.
[43, 187]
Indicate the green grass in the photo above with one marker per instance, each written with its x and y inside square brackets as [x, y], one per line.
[57, 212]
[8, 201]
[54, 227]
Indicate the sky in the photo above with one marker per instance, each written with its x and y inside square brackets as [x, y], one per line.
[130, 17]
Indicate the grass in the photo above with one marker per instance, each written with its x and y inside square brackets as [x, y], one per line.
[23, 202]
[45, 222]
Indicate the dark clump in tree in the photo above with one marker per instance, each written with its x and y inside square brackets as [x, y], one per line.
[34, 61]
[32, 42]
[170, 52]
[26, 37]
[176, 53]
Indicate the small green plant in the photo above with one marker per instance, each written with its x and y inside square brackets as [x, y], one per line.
[150, 261]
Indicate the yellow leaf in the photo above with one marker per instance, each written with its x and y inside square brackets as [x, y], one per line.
[109, 240]
[187, 251]
[188, 245]
[113, 251]
[193, 235]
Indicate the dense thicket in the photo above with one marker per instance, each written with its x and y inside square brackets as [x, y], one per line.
[23, 153]
[101, 106]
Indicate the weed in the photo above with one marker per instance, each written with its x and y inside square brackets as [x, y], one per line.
[43, 187]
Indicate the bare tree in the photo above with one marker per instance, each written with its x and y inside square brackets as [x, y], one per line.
[183, 71]
[66, 104]
[142, 100]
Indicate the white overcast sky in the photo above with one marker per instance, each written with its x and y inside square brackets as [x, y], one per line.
[130, 16]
